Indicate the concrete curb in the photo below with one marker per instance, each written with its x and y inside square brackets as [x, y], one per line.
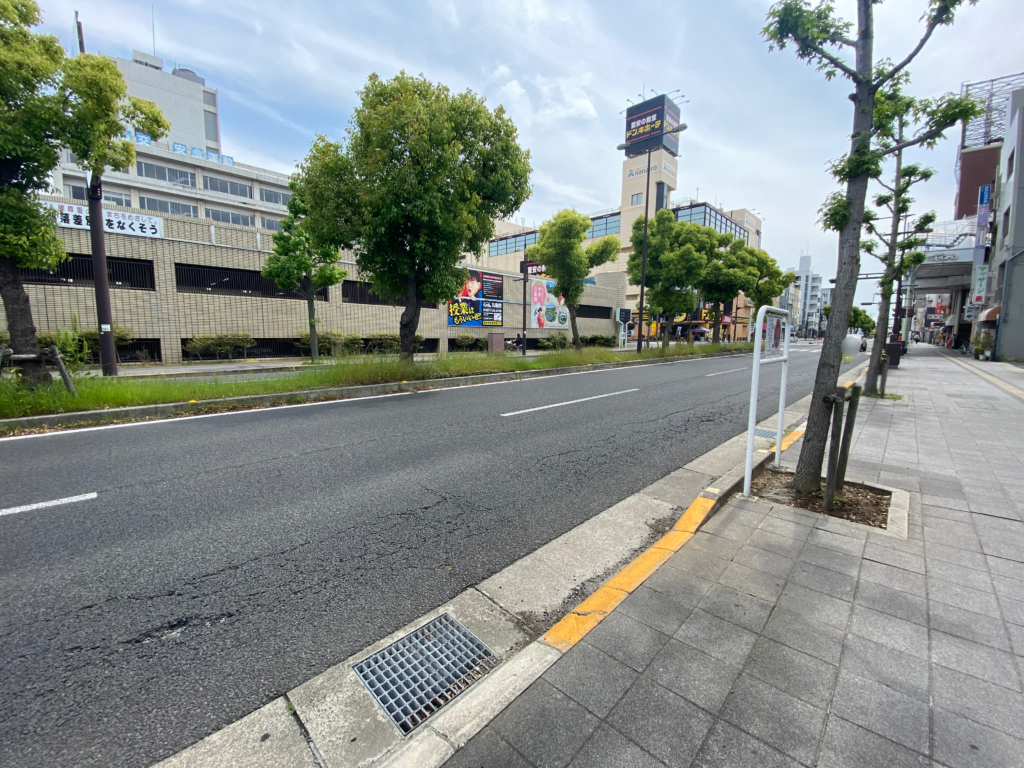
[337, 724]
[89, 418]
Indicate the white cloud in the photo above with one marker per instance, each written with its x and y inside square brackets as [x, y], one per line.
[762, 125]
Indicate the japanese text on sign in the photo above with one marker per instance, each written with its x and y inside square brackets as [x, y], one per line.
[116, 222]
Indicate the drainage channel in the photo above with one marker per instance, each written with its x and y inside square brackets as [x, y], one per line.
[418, 674]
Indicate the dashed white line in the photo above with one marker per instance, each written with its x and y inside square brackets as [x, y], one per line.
[722, 373]
[45, 504]
[570, 402]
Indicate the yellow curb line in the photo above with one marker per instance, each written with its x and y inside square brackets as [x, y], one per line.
[588, 614]
[988, 376]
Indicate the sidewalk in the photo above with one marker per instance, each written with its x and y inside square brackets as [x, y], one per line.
[779, 638]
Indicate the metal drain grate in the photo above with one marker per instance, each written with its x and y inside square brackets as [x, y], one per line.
[414, 677]
[769, 433]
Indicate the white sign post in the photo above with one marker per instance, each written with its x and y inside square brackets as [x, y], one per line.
[774, 350]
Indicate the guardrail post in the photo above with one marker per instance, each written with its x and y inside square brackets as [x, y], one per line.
[844, 452]
[833, 452]
[883, 373]
[59, 360]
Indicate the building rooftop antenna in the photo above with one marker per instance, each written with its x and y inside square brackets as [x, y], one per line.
[152, 16]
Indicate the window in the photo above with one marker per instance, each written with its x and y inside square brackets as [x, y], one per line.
[227, 187]
[275, 197]
[210, 121]
[74, 191]
[227, 217]
[193, 278]
[76, 270]
[638, 198]
[164, 206]
[511, 244]
[605, 225]
[358, 292]
[1006, 225]
[1009, 164]
[164, 173]
[209, 97]
[272, 224]
[123, 199]
[595, 311]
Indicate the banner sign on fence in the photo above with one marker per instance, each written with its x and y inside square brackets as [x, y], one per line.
[479, 302]
[115, 222]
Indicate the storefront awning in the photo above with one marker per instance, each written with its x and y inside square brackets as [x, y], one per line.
[990, 315]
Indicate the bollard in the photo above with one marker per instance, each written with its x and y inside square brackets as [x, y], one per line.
[58, 358]
[883, 373]
[844, 452]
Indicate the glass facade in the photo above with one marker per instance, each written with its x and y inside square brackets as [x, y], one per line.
[602, 225]
[708, 216]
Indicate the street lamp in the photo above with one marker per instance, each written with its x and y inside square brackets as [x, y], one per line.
[643, 263]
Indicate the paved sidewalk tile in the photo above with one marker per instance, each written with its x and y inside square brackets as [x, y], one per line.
[777, 638]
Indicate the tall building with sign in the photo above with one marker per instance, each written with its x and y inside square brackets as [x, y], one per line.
[186, 173]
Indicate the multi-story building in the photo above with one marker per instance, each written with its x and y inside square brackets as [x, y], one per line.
[1005, 273]
[190, 230]
[809, 284]
[751, 222]
[184, 174]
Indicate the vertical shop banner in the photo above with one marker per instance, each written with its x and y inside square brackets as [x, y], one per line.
[547, 310]
[978, 280]
[479, 302]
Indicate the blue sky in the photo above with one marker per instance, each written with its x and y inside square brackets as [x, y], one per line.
[763, 126]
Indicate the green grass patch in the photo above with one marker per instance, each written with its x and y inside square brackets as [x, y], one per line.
[96, 393]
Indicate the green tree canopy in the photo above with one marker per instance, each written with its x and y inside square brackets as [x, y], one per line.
[729, 271]
[677, 253]
[432, 170]
[771, 281]
[300, 262]
[560, 249]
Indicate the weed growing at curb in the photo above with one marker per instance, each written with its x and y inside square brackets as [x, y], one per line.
[96, 393]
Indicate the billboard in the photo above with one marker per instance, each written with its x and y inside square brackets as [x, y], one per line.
[547, 309]
[116, 222]
[646, 126]
[480, 301]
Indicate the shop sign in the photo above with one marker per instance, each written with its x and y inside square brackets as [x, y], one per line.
[115, 222]
[978, 279]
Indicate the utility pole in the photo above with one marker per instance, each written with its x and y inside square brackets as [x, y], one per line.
[101, 281]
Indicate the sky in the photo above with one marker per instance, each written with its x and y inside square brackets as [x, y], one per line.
[763, 125]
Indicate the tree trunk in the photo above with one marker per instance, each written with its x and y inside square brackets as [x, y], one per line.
[410, 321]
[314, 342]
[666, 330]
[881, 329]
[575, 331]
[716, 332]
[808, 472]
[19, 323]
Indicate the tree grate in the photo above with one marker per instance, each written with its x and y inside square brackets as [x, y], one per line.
[417, 675]
[769, 433]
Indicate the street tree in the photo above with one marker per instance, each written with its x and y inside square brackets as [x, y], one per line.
[676, 255]
[32, 124]
[433, 170]
[300, 262]
[730, 270]
[895, 115]
[821, 38]
[560, 249]
[858, 319]
[771, 280]
[99, 108]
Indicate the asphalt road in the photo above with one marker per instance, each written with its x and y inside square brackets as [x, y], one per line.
[227, 559]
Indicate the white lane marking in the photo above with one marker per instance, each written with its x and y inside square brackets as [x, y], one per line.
[178, 419]
[722, 373]
[570, 402]
[44, 504]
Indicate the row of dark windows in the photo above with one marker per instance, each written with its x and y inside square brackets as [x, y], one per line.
[358, 292]
[192, 278]
[133, 274]
[594, 311]
[603, 225]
